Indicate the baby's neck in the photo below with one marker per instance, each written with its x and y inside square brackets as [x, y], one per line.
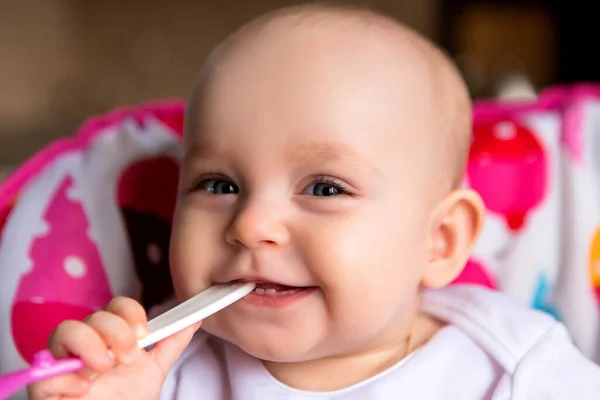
[316, 375]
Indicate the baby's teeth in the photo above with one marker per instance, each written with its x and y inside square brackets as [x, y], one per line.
[271, 291]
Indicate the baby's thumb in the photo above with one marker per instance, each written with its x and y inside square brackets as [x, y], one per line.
[168, 350]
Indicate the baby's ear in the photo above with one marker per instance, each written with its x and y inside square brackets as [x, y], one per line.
[454, 227]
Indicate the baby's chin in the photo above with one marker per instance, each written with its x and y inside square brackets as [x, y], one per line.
[283, 352]
[285, 348]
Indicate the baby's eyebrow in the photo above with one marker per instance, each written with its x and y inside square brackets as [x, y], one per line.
[309, 152]
[199, 150]
[325, 151]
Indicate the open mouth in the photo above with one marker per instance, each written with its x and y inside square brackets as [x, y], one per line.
[269, 289]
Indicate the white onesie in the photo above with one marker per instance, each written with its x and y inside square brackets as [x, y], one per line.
[492, 348]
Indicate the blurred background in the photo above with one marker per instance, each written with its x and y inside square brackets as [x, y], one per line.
[64, 60]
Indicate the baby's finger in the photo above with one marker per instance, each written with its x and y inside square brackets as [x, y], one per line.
[64, 385]
[79, 339]
[117, 334]
[132, 312]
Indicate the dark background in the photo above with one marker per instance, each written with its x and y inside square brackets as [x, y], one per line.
[568, 29]
[64, 60]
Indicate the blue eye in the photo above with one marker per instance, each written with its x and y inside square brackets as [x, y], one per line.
[325, 187]
[217, 186]
[322, 189]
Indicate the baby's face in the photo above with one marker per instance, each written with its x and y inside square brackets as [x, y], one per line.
[305, 179]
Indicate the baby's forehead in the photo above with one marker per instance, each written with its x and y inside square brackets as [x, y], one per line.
[364, 100]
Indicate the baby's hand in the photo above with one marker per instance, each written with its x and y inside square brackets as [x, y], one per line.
[116, 368]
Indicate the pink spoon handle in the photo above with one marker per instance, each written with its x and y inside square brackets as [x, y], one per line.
[44, 366]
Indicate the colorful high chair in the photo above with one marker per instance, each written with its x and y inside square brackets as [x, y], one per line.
[84, 220]
[88, 218]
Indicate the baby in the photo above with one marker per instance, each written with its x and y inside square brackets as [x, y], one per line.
[325, 146]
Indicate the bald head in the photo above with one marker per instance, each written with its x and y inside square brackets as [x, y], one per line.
[359, 44]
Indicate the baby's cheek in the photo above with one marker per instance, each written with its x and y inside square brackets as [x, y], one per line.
[361, 316]
[369, 276]
[349, 250]
[191, 262]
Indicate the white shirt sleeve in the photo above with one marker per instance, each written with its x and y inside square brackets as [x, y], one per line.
[554, 369]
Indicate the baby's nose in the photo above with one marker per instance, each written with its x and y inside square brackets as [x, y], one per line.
[257, 226]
